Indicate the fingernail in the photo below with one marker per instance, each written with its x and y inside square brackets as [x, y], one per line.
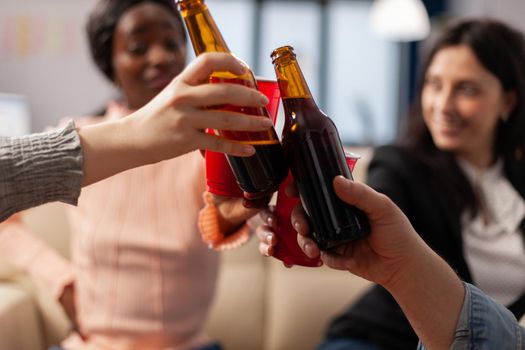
[269, 221]
[269, 238]
[342, 178]
[307, 248]
[248, 150]
[264, 99]
[296, 225]
[266, 122]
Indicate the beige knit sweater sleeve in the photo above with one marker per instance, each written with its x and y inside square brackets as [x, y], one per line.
[39, 168]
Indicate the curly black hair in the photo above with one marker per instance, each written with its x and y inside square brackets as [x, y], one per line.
[101, 26]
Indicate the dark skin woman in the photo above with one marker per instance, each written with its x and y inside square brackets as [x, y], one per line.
[140, 277]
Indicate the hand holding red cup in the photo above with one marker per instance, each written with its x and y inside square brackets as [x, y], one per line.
[222, 185]
[287, 250]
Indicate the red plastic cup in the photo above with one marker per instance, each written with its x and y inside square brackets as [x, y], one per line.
[219, 176]
[287, 249]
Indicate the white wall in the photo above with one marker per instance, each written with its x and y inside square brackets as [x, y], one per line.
[511, 11]
[44, 56]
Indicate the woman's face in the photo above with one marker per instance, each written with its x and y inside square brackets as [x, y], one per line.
[462, 103]
[148, 52]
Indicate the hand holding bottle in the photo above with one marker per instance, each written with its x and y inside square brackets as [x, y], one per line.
[260, 174]
[315, 153]
[379, 257]
[396, 257]
[172, 123]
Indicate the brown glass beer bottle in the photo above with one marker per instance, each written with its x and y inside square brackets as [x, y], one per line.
[315, 153]
[263, 172]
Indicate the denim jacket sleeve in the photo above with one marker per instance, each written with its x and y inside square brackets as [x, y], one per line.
[485, 325]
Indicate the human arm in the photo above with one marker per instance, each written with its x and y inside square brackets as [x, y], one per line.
[387, 172]
[53, 166]
[485, 324]
[39, 168]
[426, 288]
[223, 222]
[173, 122]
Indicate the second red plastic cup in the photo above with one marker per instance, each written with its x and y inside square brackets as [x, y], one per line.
[219, 176]
[287, 249]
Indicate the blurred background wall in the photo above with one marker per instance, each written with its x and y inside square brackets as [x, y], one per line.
[362, 81]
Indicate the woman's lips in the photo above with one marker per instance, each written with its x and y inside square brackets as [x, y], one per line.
[159, 82]
[449, 128]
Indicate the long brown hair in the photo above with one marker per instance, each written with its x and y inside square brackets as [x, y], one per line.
[501, 50]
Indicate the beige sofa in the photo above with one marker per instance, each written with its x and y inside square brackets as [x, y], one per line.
[259, 305]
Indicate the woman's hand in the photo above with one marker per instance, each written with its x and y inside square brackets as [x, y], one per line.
[175, 119]
[268, 240]
[265, 232]
[232, 212]
[172, 123]
[67, 300]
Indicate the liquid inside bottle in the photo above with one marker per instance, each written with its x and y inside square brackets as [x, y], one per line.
[316, 156]
[267, 168]
[261, 173]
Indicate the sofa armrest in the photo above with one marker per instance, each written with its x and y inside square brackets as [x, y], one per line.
[19, 319]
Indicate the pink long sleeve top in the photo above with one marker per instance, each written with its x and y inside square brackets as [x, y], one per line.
[143, 277]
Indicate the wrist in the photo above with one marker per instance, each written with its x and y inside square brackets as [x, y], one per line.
[431, 296]
[130, 132]
[413, 263]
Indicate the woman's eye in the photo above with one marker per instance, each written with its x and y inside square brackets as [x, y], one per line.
[433, 83]
[468, 89]
[137, 49]
[171, 44]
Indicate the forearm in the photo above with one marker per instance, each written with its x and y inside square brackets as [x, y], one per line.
[431, 296]
[108, 149]
[39, 168]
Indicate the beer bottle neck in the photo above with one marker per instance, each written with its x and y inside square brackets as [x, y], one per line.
[291, 80]
[204, 33]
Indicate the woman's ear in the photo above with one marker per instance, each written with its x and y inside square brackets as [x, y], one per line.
[510, 99]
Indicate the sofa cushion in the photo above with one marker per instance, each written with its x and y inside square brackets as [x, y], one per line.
[301, 301]
[19, 319]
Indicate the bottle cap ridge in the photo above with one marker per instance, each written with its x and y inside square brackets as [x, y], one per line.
[185, 4]
[282, 51]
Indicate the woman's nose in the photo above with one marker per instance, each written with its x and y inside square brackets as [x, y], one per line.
[444, 100]
[159, 55]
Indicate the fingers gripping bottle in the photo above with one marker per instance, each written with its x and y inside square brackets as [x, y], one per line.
[261, 173]
[315, 153]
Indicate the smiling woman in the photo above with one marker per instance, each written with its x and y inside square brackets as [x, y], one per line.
[458, 173]
[140, 276]
[463, 103]
[140, 48]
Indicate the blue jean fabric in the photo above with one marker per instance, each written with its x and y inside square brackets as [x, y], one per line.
[346, 344]
[485, 325]
[212, 346]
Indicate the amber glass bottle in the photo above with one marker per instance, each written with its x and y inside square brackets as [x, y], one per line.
[263, 172]
[315, 152]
